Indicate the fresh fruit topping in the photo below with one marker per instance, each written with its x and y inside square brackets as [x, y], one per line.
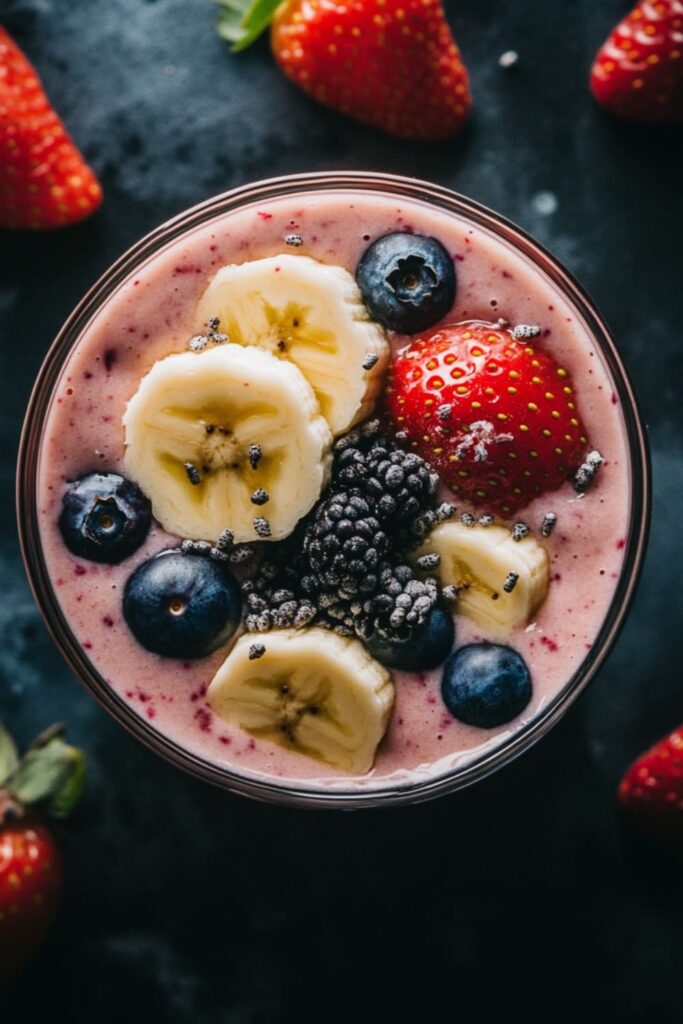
[486, 685]
[638, 72]
[311, 691]
[501, 582]
[104, 517]
[346, 565]
[651, 791]
[427, 647]
[181, 606]
[392, 64]
[44, 181]
[48, 780]
[407, 281]
[312, 315]
[496, 417]
[207, 416]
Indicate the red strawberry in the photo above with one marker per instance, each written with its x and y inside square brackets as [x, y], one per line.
[30, 892]
[44, 181]
[49, 779]
[494, 415]
[651, 791]
[390, 63]
[638, 73]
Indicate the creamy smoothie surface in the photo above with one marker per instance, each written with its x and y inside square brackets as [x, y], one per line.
[349, 708]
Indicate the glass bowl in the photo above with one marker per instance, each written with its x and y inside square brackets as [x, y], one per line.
[298, 793]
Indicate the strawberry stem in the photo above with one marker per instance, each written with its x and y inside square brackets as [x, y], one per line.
[9, 759]
[240, 22]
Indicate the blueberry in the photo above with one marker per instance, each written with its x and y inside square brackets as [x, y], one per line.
[104, 517]
[426, 649]
[486, 685]
[181, 606]
[407, 281]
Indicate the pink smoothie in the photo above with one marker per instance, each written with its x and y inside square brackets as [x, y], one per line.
[151, 316]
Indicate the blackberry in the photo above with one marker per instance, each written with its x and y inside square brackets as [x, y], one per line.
[344, 545]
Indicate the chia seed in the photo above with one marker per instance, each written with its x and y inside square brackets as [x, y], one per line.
[213, 323]
[587, 471]
[525, 331]
[260, 496]
[226, 540]
[262, 527]
[192, 474]
[450, 593]
[256, 651]
[444, 411]
[427, 562]
[548, 524]
[254, 455]
[370, 360]
[520, 531]
[198, 343]
[467, 519]
[296, 241]
[485, 520]
[510, 582]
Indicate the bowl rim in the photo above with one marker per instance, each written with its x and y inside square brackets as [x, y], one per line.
[299, 794]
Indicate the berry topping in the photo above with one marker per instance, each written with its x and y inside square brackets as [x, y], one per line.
[514, 430]
[407, 281]
[428, 647]
[104, 517]
[486, 685]
[181, 605]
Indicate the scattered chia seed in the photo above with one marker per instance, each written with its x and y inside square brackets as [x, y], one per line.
[548, 524]
[213, 323]
[226, 540]
[445, 511]
[467, 519]
[294, 240]
[485, 520]
[187, 546]
[262, 527]
[508, 60]
[450, 593]
[256, 651]
[587, 471]
[427, 562]
[198, 343]
[444, 411]
[510, 582]
[370, 360]
[254, 455]
[520, 531]
[260, 496]
[502, 322]
[218, 338]
[523, 331]
[192, 474]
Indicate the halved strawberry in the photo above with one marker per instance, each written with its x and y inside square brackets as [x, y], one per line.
[44, 181]
[495, 416]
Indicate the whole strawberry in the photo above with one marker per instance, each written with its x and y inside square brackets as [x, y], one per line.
[494, 414]
[46, 782]
[638, 72]
[44, 181]
[651, 791]
[390, 63]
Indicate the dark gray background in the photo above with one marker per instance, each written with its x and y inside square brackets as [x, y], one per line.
[521, 899]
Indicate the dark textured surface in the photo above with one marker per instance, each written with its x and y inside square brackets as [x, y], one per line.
[522, 899]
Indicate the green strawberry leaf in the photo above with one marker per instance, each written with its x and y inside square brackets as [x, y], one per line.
[52, 775]
[240, 22]
[9, 759]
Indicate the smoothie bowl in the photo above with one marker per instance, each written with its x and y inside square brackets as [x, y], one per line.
[333, 490]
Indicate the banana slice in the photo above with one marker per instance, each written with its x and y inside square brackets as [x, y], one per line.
[311, 314]
[190, 432]
[503, 581]
[311, 691]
